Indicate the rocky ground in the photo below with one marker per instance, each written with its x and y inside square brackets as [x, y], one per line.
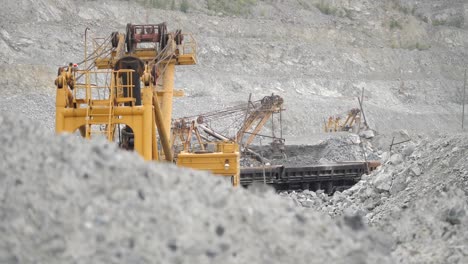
[329, 148]
[63, 200]
[419, 197]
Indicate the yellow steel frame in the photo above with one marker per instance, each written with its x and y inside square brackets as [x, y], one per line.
[139, 118]
[150, 121]
[224, 161]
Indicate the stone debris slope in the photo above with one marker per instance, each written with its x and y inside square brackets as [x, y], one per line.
[332, 148]
[63, 200]
[419, 197]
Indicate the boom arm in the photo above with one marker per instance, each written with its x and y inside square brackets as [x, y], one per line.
[259, 115]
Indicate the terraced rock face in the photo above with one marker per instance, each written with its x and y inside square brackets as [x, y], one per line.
[67, 201]
[408, 55]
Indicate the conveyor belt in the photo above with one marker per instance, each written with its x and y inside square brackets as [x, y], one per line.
[329, 177]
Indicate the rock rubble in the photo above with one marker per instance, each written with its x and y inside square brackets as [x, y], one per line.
[65, 200]
[418, 197]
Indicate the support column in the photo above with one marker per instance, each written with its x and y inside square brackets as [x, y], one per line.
[147, 124]
[168, 90]
[60, 104]
[137, 125]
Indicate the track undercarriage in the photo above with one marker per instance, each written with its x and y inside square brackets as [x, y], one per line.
[328, 177]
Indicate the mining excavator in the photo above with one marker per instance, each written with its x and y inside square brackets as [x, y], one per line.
[123, 90]
[351, 123]
[196, 132]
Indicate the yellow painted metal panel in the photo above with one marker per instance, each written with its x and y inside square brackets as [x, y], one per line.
[214, 162]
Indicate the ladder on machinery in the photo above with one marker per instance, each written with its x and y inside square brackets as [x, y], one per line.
[95, 111]
[100, 112]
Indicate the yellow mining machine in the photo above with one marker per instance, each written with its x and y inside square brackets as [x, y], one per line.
[246, 119]
[352, 122]
[257, 116]
[125, 94]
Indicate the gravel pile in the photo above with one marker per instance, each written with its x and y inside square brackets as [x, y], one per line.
[68, 201]
[419, 197]
[333, 148]
[348, 148]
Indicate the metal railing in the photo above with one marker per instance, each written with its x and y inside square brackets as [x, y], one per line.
[189, 45]
[103, 85]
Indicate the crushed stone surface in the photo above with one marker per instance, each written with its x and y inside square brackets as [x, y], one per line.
[418, 197]
[331, 149]
[65, 200]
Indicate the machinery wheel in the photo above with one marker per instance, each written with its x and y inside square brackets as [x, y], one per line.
[179, 37]
[115, 39]
[200, 120]
[128, 38]
[162, 32]
[154, 74]
[266, 101]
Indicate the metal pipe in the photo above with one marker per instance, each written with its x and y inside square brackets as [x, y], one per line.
[361, 102]
[261, 135]
[86, 48]
[168, 89]
[213, 133]
[162, 130]
[118, 111]
[154, 140]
